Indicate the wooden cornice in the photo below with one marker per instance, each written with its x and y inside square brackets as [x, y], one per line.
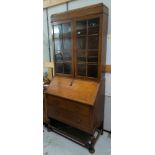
[80, 12]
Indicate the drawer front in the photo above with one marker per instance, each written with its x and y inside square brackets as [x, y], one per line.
[69, 112]
[75, 107]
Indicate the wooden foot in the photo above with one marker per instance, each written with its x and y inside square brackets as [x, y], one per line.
[101, 131]
[45, 124]
[49, 129]
[90, 144]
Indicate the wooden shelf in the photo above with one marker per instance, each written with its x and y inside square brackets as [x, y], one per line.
[64, 37]
[86, 35]
[60, 62]
[89, 63]
[92, 49]
[62, 50]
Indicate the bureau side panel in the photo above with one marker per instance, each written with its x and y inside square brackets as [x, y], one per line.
[98, 112]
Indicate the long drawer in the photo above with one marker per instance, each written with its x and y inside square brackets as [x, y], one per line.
[70, 112]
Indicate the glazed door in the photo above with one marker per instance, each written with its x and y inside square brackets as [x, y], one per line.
[62, 37]
[87, 48]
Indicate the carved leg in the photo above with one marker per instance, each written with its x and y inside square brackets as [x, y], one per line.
[45, 124]
[48, 126]
[91, 149]
[101, 131]
[90, 145]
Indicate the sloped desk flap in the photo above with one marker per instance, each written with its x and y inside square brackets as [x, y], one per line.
[74, 89]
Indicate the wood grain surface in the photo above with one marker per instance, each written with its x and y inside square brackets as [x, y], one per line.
[81, 90]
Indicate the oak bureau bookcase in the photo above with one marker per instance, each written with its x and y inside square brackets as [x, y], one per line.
[74, 97]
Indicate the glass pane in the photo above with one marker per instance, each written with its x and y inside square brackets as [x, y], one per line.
[93, 42]
[57, 31]
[67, 55]
[92, 70]
[81, 42]
[58, 44]
[66, 28]
[59, 67]
[93, 26]
[92, 59]
[67, 43]
[81, 56]
[81, 69]
[58, 56]
[81, 27]
[67, 68]
[92, 56]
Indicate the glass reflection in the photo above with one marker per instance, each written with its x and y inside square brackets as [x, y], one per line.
[81, 69]
[66, 28]
[93, 26]
[81, 28]
[57, 31]
[58, 44]
[67, 43]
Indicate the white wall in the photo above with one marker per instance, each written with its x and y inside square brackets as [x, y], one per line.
[45, 38]
[107, 113]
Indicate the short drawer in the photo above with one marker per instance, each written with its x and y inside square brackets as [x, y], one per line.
[68, 116]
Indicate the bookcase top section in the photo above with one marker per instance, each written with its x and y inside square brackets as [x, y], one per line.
[83, 91]
[85, 11]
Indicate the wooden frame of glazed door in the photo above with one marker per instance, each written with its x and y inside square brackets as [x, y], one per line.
[98, 50]
[63, 49]
[74, 50]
